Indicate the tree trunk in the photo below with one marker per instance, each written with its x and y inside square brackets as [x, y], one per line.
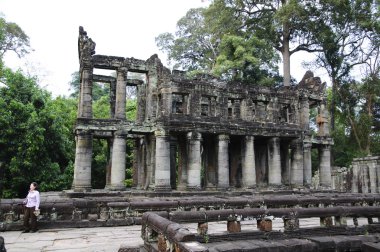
[332, 108]
[286, 54]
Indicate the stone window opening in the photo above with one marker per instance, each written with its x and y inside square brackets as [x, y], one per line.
[230, 108]
[205, 105]
[179, 103]
[284, 114]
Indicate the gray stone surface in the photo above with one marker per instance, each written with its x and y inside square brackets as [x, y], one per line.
[81, 239]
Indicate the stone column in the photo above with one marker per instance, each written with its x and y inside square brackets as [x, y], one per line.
[141, 101]
[109, 163]
[323, 121]
[118, 162]
[248, 165]
[173, 162]
[166, 102]
[150, 182]
[83, 158]
[112, 98]
[365, 177]
[304, 113]
[307, 173]
[85, 97]
[378, 175]
[194, 160]
[325, 166]
[285, 167]
[296, 172]
[355, 178]
[223, 162]
[274, 162]
[372, 175]
[162, 173]
[182, 164]
[121, 82]
[141, 147]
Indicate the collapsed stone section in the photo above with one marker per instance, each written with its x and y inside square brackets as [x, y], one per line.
[200, 133]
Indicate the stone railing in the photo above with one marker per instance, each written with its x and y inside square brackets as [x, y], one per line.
[162, 232]
[121, 211]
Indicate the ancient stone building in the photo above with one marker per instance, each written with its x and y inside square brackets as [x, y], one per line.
[200, 133]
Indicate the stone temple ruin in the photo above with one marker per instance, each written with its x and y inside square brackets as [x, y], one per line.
[200, 133]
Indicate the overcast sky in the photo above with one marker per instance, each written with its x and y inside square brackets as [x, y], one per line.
[125, 28]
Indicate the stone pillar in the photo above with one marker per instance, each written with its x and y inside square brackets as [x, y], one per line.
[296, 172]
[166, 100]
[121, 82]
[304, 113]
[182, 164]
[365, 177]
[109, 163]
[173, 162]
[118, 162]
[307, 173]
[223, 162]
[323, 121]
[112, 98]
[372, 175]
[325, 166]
[285, 166]
[378, 175]
[152, 169]
[85, 96]
[355, 177]
[274, 162]
[248, 165]
[83, 158]
[194, 160]
[141, 101]
[162, 173]
[140, 144]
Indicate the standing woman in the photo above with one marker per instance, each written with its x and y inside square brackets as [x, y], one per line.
[32, 202]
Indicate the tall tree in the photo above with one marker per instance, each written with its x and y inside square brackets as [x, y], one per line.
[36, 140]
[281, 23]
[342, 31]
[193, 46]
[13, 38]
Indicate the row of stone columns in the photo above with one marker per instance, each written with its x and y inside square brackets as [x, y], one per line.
[190, 163]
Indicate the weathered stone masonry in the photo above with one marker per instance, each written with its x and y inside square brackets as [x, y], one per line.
[200, 133]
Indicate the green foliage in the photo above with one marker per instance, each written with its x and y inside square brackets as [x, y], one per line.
[36, 140]
[247, 60]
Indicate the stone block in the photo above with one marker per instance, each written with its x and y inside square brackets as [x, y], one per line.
[92, 217]
[291, 224]
[9, 217]
[77, 215]
[370, 247]
[299, 245]
[233, 226]
[264, 225]
[202, 228]
[326, 221]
